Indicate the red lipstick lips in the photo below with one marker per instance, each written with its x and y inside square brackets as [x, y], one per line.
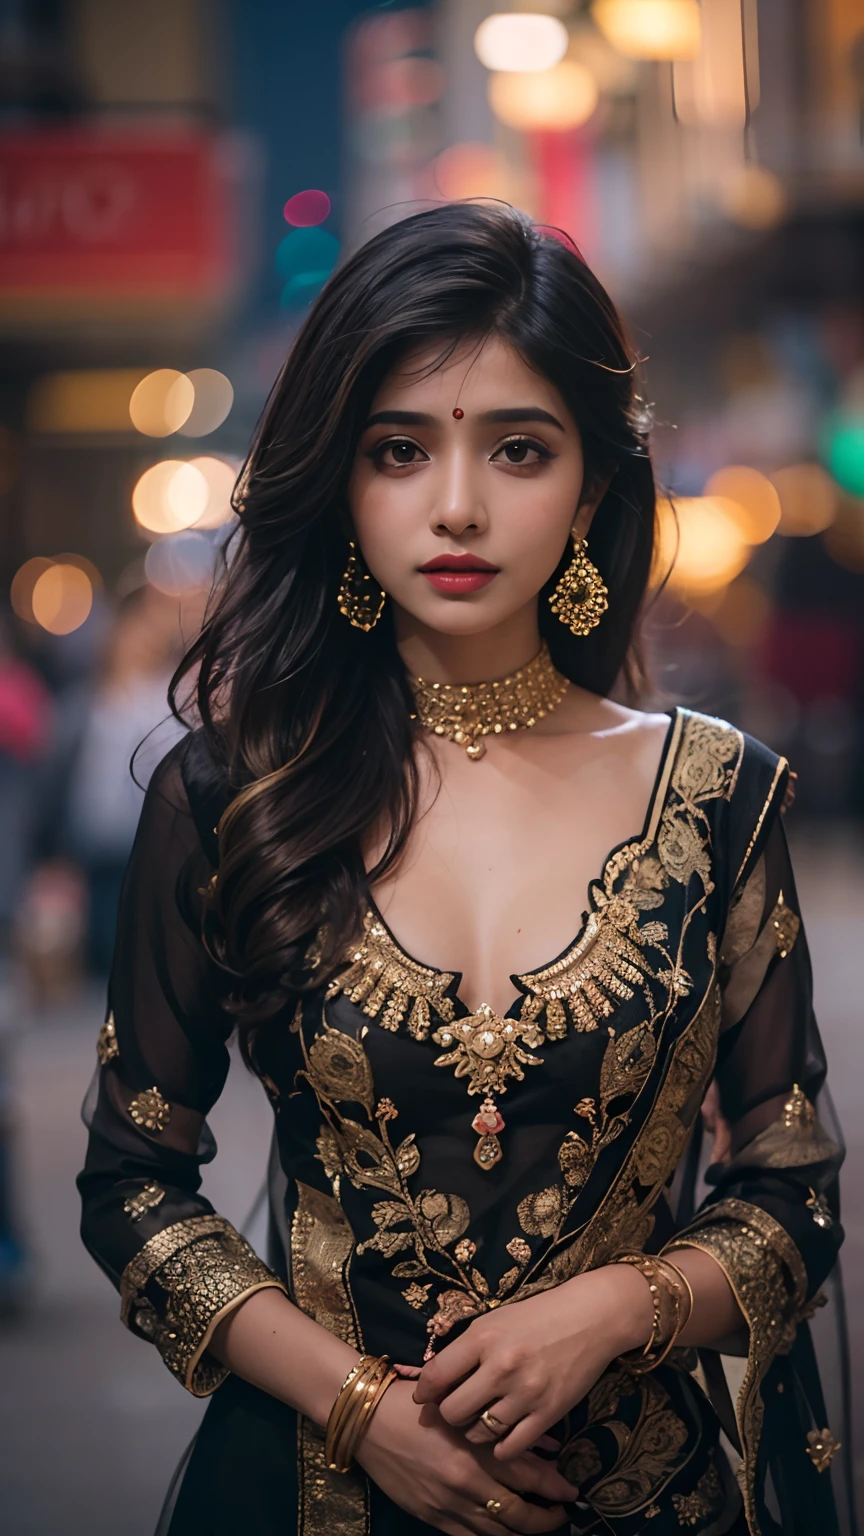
[457, 574]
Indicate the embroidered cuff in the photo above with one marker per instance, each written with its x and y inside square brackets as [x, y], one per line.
[203, 1269]
[767, 1274]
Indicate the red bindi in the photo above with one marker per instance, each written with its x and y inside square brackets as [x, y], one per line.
[458, 412]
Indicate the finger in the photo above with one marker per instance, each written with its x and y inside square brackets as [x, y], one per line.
[515, 1515]
[466, 1402]
[441, 1375]
[531, 1474]
[547, 1443]
[488, 1427]
[522, 1436]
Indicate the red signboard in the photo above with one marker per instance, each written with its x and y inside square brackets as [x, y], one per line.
[115, 214]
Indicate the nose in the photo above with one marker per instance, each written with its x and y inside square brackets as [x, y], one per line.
[460, 508]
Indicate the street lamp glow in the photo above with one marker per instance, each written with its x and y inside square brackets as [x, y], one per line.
[556, 100]
[651, 29]
[522, 41]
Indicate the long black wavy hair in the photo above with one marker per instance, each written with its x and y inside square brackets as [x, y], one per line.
[310, 718]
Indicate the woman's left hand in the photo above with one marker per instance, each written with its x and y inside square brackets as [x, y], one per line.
[529, 1363]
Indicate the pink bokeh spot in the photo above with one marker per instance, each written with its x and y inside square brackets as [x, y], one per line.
[307, 208]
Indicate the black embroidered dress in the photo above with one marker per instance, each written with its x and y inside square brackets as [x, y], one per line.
[690, 965]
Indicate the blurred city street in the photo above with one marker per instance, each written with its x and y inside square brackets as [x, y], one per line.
[101, 1467]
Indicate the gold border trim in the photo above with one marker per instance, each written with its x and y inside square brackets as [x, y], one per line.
[782, 767]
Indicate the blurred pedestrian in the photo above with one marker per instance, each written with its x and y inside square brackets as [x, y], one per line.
[25, 710]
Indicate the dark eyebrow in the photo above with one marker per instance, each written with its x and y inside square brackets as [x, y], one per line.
[399, 419]
[517, 413]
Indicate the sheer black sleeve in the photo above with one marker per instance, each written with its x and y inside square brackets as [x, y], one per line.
[771, 1217]
[163, 1061]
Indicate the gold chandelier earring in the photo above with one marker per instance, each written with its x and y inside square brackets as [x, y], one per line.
[580, 598]
[360, 599]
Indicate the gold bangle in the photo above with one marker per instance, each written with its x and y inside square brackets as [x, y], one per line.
[340, 1404]
[367, 1409]
[357, 1400]
[347, 1431]
[672, 1300]
[359, 1415]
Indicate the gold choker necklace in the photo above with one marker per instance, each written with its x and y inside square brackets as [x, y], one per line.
[467, 712]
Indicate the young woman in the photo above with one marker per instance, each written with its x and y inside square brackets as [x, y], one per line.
[372, 854]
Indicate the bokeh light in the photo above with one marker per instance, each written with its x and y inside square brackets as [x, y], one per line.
[842, 448]
[305, 209]
[214, 397]
[220, 476]
[844, 540]
[473, 170]
[23, 582]
[808, 499]
[753, 197]
[162, 402]
[520, 41]
[651, 29]
[753, 495]
[558, 99]
[169, 496]
[62, 598]
[183, 562]
[305, 259]
[707, 545]
[743, 615]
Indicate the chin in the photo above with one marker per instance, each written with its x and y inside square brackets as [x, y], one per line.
[461, 616]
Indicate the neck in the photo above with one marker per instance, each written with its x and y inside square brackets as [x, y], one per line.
[480, 658]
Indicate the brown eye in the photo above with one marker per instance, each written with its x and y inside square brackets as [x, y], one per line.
[521, 452]
[399, 453]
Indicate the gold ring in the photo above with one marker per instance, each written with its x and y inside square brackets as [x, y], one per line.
[494, 1506]
[494, 1426]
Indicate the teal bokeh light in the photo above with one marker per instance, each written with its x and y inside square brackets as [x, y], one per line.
[305, 259]
[842, 450]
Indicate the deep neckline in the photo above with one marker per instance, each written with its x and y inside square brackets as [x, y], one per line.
[521, 980]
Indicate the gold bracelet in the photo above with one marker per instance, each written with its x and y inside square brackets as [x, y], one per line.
[340, 1405]
[672, 1300]
[359, 1414]
[347, 1432]
[351, 1414]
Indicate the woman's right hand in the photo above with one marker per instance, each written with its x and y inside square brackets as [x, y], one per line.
[432, 1472]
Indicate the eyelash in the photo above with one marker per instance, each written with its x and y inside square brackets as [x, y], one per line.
[377, 453]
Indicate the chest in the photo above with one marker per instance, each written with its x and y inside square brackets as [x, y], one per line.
[496, 875]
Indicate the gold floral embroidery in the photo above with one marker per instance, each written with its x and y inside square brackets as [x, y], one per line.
[648, 1456]
[416, 1295]
[623, 1218]
[767, 1275]
[786, 925]
[518, 1250]
[704, 1503]
[331, 1503]
[796, 1139]
[487, 1049]
[606, 965]
[387, 984]
[429, 1226]
[146, 1200]
[107, 1048]
[150, 1110]
[822, 1447]
[206, 1269]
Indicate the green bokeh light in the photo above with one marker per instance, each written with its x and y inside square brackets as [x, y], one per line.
[842, 451]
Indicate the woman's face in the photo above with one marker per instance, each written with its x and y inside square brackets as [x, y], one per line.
[462, 520]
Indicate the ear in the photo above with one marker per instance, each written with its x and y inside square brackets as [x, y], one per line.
[593, 492]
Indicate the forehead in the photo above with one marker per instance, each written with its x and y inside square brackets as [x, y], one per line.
[484, 375]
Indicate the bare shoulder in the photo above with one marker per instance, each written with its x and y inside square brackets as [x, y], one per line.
[585, 714]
